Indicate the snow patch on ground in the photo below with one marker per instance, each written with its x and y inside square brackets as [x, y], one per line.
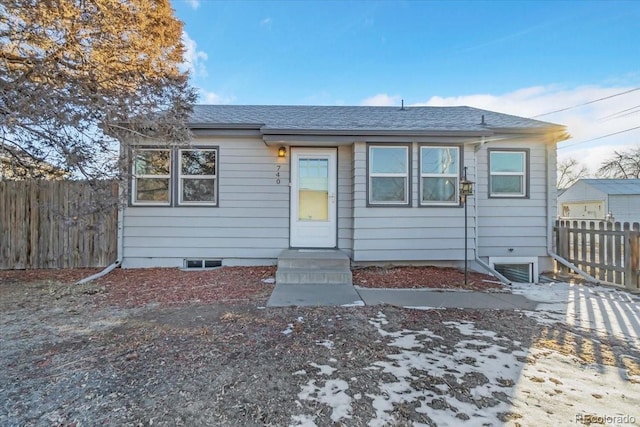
[332, 393]
[358, 303]
[607, 311]
[487, 379]
[324, 369]
[325, 343]
[429, 377]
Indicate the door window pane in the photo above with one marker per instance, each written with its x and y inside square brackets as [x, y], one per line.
[313, 189]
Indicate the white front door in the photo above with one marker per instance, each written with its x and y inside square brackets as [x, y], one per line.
[313, 197]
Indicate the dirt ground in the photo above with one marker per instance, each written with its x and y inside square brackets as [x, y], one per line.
[192, 350]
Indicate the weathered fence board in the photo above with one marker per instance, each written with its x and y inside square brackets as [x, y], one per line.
[57, 224]
[607, 251]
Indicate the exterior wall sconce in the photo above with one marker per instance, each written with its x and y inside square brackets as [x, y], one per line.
[466, 189]
[282, 152]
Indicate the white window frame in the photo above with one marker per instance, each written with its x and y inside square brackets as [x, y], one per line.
[456, 176]
[182, 178]
[406, 176]
[522, 175]
[135, 177]
[531, 261]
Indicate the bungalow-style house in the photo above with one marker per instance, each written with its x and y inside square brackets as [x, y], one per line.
[601, 199]
[379, 184]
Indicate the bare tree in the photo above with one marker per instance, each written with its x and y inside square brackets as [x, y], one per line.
[623, 164]
[569, 171]
[76, 74]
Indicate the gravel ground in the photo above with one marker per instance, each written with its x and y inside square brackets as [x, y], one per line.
[75, 355]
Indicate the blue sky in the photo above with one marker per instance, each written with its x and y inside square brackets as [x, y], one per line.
[518, 57]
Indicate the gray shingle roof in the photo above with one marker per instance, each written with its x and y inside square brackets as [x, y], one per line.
[341, 118]
[615, 186]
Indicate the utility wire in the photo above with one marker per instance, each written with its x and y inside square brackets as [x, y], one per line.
[588, 102]
[599, 137]
[619, 114]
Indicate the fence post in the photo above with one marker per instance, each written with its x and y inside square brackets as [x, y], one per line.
[632, 257]
[562, 243]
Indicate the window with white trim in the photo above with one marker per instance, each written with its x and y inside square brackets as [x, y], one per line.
[388, 181]
[439, 175]
[508, 173]
[151, 183]
[197, 176]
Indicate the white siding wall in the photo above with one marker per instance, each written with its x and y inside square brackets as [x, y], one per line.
[250, 224]
[407, 233]
[515, 227]
[345, 199]
[580, 196]
[625, 208]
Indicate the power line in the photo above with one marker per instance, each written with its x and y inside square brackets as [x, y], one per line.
[588, 102]
[619, 114]
[599, 137]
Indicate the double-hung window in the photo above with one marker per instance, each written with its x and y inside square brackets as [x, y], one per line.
[439, 175]
[151, 184]
[197, 176]
[508, 173]
[388, 181]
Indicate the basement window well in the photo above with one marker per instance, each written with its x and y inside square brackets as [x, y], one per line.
[516, 269]
[200, 264]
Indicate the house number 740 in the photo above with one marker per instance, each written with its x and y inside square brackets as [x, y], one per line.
[278, 174]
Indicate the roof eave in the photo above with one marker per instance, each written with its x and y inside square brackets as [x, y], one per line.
[225, 126]
[529, 130]
[376, 132]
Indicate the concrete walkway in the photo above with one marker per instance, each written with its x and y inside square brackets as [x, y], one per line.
[434, 298]
[348, 295]
[326, 294]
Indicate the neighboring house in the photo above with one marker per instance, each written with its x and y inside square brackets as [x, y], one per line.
[380, 184]
[603, 199]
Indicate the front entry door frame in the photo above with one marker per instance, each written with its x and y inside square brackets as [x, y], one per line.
[306, 231]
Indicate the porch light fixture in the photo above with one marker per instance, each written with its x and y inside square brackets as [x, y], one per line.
[282, 152]
[466, 189]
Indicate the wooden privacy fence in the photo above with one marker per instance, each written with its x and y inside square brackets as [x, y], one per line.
[57, 224]
[605, 250]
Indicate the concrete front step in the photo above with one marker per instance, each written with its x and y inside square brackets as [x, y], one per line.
[313, 259]
[313, 267]
[301, 276]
